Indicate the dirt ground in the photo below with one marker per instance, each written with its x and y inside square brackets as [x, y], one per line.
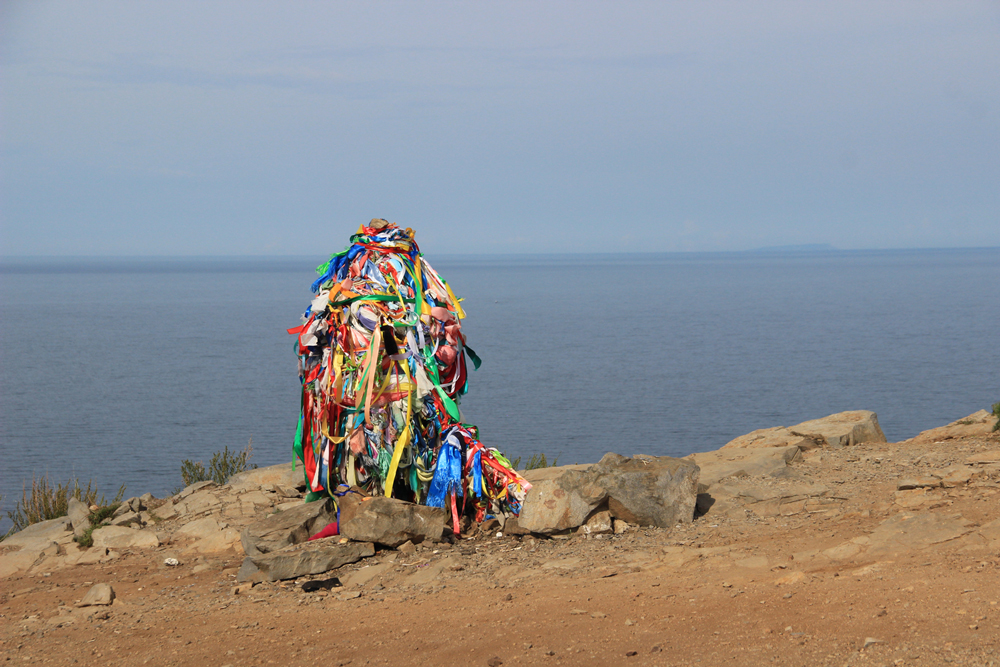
[730, 588]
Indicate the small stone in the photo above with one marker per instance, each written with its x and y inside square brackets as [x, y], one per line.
[407, 547]
[99, 594]
[598, 614]
[629, 621]
[494, 662]
[871, 641]
[240, 589]
[631, 654]
[349, 595]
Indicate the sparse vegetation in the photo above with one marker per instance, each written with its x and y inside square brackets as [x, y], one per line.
[996, 413]
[536, 461]
[96, 518]
[45, 501]
[223, 465]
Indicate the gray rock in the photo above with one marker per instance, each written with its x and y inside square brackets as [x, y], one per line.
[392, 522]
[649, 491]
[124, 507]
[99, 594]
[645, 491]
[125, 518]
[147, 498]
[292, 526]
[599, 523]
[299, 560]
[79, 516]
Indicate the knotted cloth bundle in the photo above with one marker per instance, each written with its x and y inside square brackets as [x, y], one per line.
[382, 360]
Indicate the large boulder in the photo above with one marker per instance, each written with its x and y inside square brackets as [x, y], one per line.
[645, 490]
[392, 522]
[291, 526]
[299, 560]
[560, 498]
[978, 423]
[839, 430]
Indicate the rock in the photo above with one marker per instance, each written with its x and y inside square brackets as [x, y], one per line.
[196, 503]
[192, 489]
[839, 430]
[147, 498]
[119, 537]
[908, 532]
[391, 522]
[976, 424]
[739, 462]
[776, 436]
[165, 511]
[407, 547]
[79, 516]
[992, 456]
[126, 518]
[99, 594]
[228, 538]
[281, 475]
[734, 495]
[42, 532]
[599, 523]
[619, 527]
[292, 526]
[313, 557]
[927, 482]
[207, 527]
[648, 491]
[560, 498]
[123, 508]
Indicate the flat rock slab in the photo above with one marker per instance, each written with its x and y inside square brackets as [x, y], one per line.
[314, 557]
[276, 475]
[909, 532]
[978, 423]
[292, 526]
[739, 462]
[120, 537]
[838, 430]
[392, 522]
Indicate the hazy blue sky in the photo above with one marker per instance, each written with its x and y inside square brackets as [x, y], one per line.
[275, 128]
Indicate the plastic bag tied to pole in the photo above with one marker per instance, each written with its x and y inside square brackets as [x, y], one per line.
[383, 366]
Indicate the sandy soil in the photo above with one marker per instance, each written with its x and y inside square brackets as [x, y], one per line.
[731, 588]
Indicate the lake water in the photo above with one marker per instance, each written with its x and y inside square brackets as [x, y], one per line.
[116, 370]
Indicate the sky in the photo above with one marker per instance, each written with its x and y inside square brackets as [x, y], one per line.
[251, 128]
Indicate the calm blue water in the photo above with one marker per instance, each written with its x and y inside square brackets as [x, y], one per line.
[117, 370]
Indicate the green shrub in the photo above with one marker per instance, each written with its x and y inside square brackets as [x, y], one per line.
[223, 465]
[996, 413]
[45, 501]
[536, 461]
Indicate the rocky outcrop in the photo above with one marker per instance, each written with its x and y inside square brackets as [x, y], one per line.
[392, 522]
[120, 537]
[299, 560]
[978, 423]
[839, 430]
[288, 527]
[645, 490]
[766, 461]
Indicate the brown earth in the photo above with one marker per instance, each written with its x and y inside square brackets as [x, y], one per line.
[873, 575]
